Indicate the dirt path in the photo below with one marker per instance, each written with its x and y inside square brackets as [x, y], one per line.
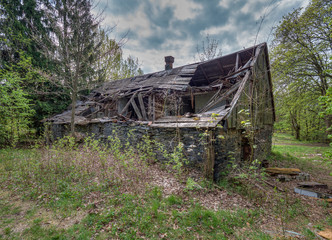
[303, 144]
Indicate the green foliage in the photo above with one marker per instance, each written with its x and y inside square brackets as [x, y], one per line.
[111, 65]
[300, 63]
[66, 177]
[18, 20]
[128, 68]
[326, 102]
[177, 158]
[59, 51]
[15, 108]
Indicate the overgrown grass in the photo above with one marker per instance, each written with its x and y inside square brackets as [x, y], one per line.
[288, 139]
[309, 157]
[313, 158]
[109, 185]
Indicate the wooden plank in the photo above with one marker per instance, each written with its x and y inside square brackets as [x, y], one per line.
[192, 98]
[179, 83]
[154, 107]
[141, 103]
[214, 97]
[237, 62]
[185, 125]
[128, 103]
[149, 107]
[326, 234]
[287, 171]
[239, 91]
[175, 87]
[222, 98]
[187, 70]
[182, 79]
[188, 120]
[137, 111]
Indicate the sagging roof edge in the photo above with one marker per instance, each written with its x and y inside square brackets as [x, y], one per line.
[256, 48]
[270, 79]
[179, 68]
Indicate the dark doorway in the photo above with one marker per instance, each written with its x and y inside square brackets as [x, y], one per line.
[246, 149]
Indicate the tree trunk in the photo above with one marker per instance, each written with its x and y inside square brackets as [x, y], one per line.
[297, 133]
[72, 120]
[210, 156]
[73, 103]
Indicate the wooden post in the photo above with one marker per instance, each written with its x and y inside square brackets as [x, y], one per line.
[192, 98]
[128, 103]
[154, 107]
[210, 156]
[139, 115]
[150, 107]
[141, 103]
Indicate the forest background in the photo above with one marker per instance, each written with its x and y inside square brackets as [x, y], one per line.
[54, 52]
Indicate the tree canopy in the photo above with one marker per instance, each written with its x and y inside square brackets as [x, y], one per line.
[301, 59]
[65, 53]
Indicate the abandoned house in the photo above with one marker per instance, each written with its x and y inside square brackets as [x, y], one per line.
[220, 109]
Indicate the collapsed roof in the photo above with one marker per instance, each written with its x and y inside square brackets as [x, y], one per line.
[224, 76]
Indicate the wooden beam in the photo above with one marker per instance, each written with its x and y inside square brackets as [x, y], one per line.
[141, 103]
[192, 98]
[137, 111]
[224, 96]
[237, 62]
[154, 107]
[128, 103]
[239, 91]
[149, 107]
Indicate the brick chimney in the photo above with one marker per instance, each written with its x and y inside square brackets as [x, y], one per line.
[169, 60]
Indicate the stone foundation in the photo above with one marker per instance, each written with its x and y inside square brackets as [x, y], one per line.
[227, 146]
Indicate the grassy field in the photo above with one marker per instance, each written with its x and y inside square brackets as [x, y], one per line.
[94, 192]
[315, 158]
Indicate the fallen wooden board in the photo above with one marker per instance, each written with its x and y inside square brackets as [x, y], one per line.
[327, 234]
[287, 171]
[312, 184]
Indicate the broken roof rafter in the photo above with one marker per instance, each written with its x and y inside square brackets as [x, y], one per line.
[224, 75]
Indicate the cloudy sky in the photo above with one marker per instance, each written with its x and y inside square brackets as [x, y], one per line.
[158, 28]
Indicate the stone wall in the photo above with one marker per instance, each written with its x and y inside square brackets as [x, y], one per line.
[263, 141]
[227, 146]
[133, 132]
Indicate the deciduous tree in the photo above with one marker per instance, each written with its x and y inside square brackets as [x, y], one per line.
[300, 59]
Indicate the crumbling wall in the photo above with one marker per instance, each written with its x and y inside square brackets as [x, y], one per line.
[263, 142]
[194, 142]
[227, 145]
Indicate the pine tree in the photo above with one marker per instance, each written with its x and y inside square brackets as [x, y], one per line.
[75, 46]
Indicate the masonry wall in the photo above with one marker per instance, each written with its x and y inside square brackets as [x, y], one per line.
[263, 141]
[227, 146]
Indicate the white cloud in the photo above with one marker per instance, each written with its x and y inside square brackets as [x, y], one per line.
[183, 9]
[234, 33]
[218, 30]
[186, 9]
